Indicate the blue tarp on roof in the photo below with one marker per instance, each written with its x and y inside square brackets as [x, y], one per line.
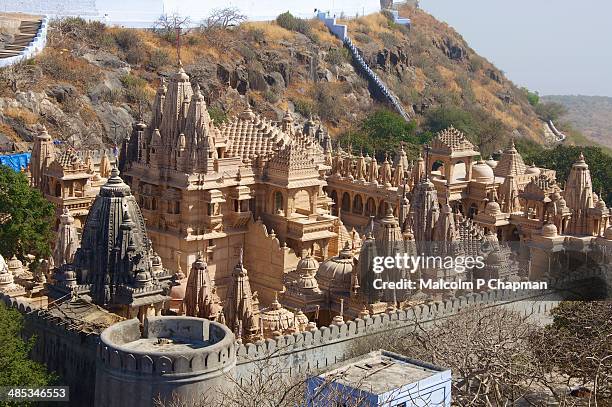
[16, 162]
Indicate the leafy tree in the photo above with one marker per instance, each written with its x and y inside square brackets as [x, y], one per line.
[550, 110]
[25, 217]
[16, 369]
[383, 131]
[486, 132]
[532, 97]
[561, 158]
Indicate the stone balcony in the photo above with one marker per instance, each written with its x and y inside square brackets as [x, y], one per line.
[237, 220]
[310, 228]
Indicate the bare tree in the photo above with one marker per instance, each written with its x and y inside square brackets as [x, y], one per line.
[172, 26]
[223, 18]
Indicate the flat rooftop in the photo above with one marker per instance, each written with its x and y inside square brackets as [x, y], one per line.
[172, 344]
[380, 372]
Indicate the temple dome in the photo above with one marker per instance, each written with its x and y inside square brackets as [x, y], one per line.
[15, 266]
[6, 277]
[306, 264]
[533, 170]
[277, 318]
[482, 172]
[492, 208]
[491, 162]
[549, 230]
[336, 271]
[115, 248]
[608, 233]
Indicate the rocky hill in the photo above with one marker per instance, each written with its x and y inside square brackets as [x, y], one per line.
[591, 115]
[92, 80]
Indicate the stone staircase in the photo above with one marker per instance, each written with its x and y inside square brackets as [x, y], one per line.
[29, 37]
[28, 29]
[375, 81]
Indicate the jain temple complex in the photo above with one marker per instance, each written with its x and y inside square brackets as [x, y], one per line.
[266, 230]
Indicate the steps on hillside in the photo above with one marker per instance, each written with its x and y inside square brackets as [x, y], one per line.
[28, 30]
[376, 82]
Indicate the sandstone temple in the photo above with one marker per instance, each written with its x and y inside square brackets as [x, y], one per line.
[267, 228]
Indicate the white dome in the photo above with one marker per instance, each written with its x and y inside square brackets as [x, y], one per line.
[336, 271]
[482, 172]
[533, 170]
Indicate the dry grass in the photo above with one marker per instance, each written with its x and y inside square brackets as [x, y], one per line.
[421, 80]
[449, 79]
[272, 32]
[323, 34]
[24, 116]
[10, 133]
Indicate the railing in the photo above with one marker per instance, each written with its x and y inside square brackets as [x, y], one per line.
[36, 46]
[341, 31]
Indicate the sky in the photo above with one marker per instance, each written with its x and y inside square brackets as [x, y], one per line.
[555, 47]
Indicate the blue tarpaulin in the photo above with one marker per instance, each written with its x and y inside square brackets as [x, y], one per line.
[16, 162]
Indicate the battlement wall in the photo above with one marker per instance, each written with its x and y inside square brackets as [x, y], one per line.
[114, 352]
[324, 346]
[194, 356]
[63, 347]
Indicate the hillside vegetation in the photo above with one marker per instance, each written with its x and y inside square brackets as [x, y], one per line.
[92, 81]
[591, 115]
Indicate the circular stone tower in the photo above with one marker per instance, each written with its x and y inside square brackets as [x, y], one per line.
[180, 357]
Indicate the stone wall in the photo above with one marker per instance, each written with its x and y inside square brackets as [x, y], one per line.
[267, 261]
[63, 348]
[306, 351]
[72, 353]
[135, 375]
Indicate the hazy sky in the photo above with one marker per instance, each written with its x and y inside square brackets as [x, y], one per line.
[552, 46]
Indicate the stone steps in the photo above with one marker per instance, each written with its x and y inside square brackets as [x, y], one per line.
[28, 30]
[376, 82]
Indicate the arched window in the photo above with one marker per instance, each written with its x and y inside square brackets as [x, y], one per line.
[301, 201]
[278, 202]
[358, 205]
[459, 171]
[58, 189]
[473, 211]
[334, 197]
[370, 209]
[346, 202]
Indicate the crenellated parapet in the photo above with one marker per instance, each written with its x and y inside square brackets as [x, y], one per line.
[185, 356]
[329, 344]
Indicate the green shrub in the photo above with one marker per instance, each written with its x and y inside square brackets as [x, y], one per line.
[135, 91]
[337, 56]
[217, 115]
[532, 97]
[383, 131]
[291, 23]
[271, 96]
[389, 40]
[363, 38]
[550, 110]
[18, 370]
[303, 107]
[127, 39]
[159, 58]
